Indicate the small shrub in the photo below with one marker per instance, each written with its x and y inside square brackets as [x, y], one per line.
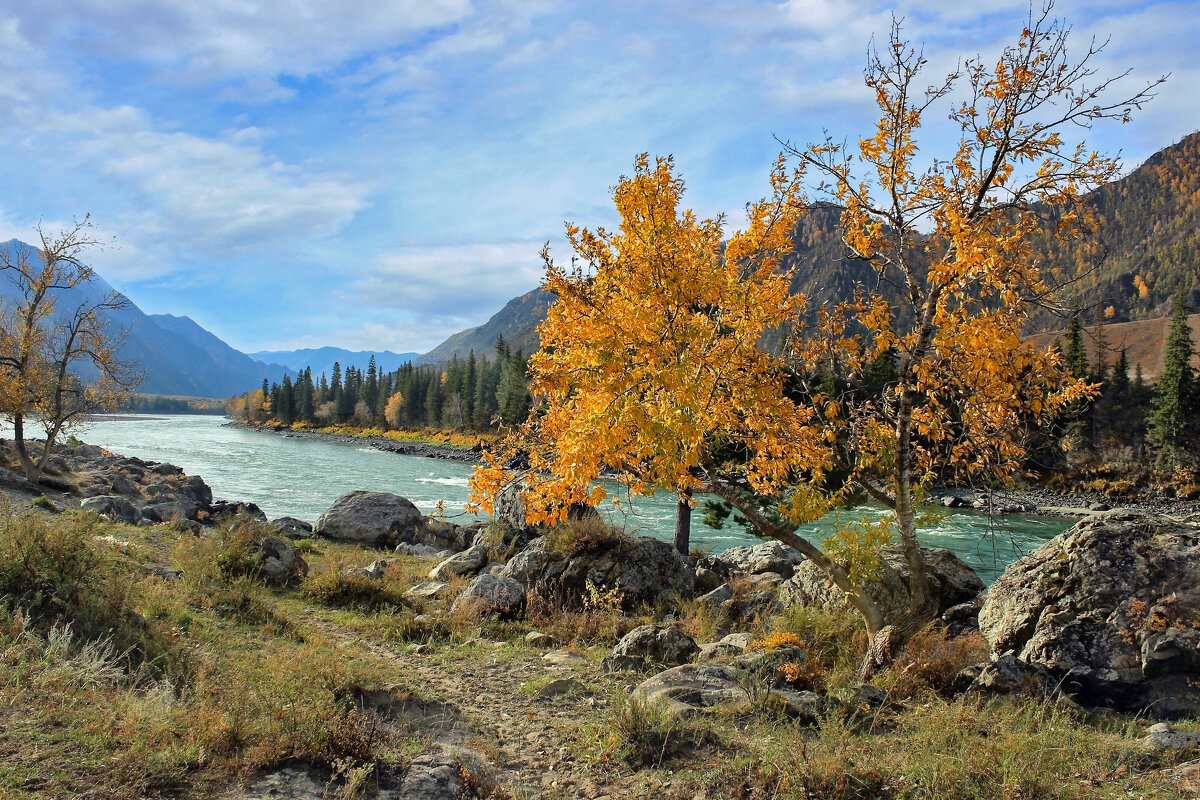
[337, 587]
[930, 661]
[583, 536]
[45, 503]
[641, 733]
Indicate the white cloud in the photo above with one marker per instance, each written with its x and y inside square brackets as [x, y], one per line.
[461, 281]
[214, 39]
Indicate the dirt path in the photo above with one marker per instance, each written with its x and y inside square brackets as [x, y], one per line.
[480, 698]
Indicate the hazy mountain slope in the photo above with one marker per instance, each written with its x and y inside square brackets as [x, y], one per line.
[174, 354]
[517, 322]
[322, 359]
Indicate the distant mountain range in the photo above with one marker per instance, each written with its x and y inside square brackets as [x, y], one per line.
[175, 355]
[1148, 246]
[322, 359]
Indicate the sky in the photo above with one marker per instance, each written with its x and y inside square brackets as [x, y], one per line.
[379, 174]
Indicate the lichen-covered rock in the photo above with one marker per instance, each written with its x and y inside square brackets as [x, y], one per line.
[690, 688]
[116, 508]
[1007, 676]
[491, 596]
[468, 562]
[372, 518]
[648, 646]
[951, 581]
[502, 542]
[771, 556]
[1110, 608]
[636, 569]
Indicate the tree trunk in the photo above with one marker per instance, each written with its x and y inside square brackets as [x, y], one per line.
[683, 523]
[27, 466]
[871, 615]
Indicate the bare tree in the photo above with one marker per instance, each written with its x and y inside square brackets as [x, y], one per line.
[40, 351]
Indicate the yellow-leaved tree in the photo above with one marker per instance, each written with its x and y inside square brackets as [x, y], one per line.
[649, 361]
[651, 366]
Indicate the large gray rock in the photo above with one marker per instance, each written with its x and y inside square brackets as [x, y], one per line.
[278, 563]
[468, 562]
[951, 581]
[638, 569]
[491, 596]
[115, 507]
[771, 556]
[689, 688]
[293, 528]
[1109, 608]
[649, 646]
[372, 518]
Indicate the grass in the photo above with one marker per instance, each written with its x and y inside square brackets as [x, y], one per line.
[120, 683]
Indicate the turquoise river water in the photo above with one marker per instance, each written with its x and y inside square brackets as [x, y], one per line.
[302, 477]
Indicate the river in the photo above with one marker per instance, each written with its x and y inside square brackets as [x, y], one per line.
[301, 477]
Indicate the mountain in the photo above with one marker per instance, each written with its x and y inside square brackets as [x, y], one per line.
[322, 359]
[1147, 246]
[174, 355]
[517, 322]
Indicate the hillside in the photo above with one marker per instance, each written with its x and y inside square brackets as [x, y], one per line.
[174, 355]
[1144, 340]
[517, 322]
[1149, 232]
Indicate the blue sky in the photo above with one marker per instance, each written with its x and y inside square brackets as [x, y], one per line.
[374, 174]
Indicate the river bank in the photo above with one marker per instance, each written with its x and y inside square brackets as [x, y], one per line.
[1000, 502]
[423, 449]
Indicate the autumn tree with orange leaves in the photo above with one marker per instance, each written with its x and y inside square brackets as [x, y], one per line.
[672, 392]
[649, 359]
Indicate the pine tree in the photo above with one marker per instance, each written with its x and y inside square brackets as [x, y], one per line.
[1171, 421]
[1077, 361]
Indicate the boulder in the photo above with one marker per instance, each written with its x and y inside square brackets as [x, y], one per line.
[228, 508]
[951, 581]
[768, 665]
[1007, 676]
[371, 518]
[1162, 738]
[770, 556]
[648, 646]
[427, 591]
[690, 688]
[502, 542]
[422, 551]
[1110, 608]
[278, 563]
[115, 507]
[293, 528]
[466, 563]
[637, 569]
[491, 596]
[373, 571]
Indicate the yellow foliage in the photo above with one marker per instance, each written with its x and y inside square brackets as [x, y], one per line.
[650, 355]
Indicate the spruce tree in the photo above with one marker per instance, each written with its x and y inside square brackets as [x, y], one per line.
[1077, 361]
[1171, 421]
